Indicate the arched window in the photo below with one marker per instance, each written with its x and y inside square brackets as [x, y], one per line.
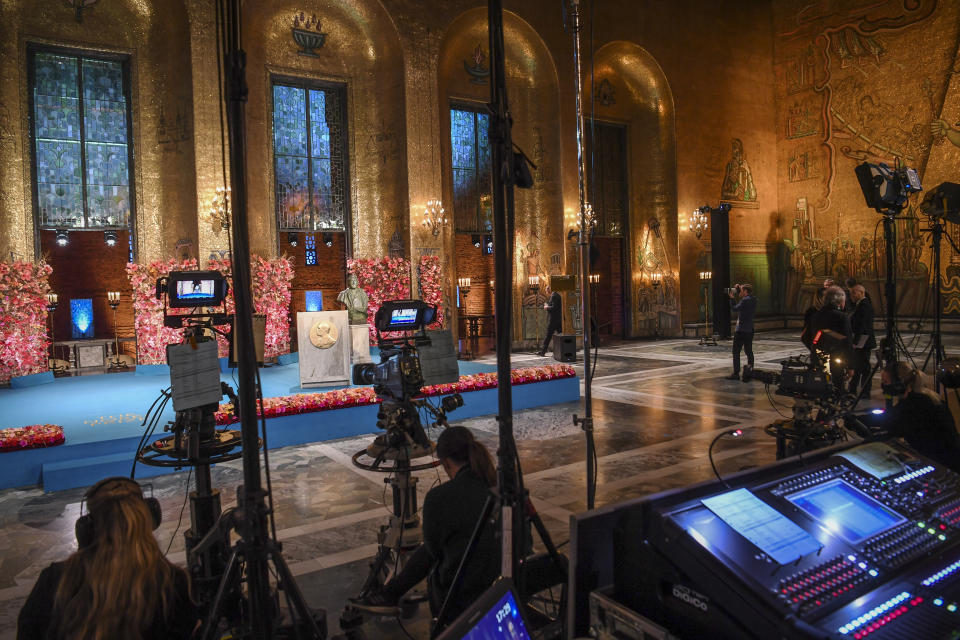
[472, 187]
[80, 138]
[310, 156]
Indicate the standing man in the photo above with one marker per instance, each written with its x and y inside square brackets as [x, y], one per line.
[746, 306]
[864, 341]
[554, 307]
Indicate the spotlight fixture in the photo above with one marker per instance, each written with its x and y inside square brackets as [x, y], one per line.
[328, 239]
[476, 240]
[292, 239]
[110, 237]
[63, 237]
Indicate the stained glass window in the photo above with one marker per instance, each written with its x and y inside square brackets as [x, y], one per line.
[472, 187]
[310, 158]
[610, 195]
[81, 145]
[310, 250]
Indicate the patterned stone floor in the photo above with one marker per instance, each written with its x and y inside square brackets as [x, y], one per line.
[656, 404]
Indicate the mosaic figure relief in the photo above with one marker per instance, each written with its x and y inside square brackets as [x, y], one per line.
[738, 179]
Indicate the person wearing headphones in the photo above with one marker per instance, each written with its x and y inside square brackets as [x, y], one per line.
[117, 584]
[450, 513]
[919, 416]
[746, 307]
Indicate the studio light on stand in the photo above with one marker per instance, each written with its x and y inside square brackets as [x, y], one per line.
[51, 299]
[434, 217]
[113, 299]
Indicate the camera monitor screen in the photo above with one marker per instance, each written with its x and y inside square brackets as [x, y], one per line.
[403, 317]
[196, 289]
[846, 511]
[494, 616]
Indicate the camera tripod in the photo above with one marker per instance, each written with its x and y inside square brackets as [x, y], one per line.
[404, 440]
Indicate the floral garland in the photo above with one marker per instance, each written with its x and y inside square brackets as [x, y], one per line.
[23, 318]
[431, 285]
[31, 437]
[271, 296]
[224, 266]
[152, 336]
[382, 279]
[361, 396]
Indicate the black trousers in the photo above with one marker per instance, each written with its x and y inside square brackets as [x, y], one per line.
[742, 340]
[551, 329]
[861, 371]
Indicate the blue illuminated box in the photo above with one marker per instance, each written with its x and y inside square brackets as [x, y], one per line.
[81, 318]
[314, 300]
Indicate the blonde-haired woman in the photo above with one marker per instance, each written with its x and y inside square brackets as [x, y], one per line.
[117, 585]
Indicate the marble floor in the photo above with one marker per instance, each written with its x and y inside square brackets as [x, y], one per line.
[656, 404]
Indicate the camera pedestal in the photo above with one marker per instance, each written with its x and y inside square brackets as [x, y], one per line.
[360, 343]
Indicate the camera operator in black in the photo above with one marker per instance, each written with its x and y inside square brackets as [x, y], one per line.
[831, 334]
[450, 513]
[864, 340]
[746, 306]
[554, 307]
[919, 416]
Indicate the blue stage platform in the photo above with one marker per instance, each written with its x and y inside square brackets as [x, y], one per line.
[101, 416]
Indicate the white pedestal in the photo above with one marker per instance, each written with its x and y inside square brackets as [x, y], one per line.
[361, 343]
[328, 364]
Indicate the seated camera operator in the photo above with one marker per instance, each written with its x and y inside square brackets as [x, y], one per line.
[450, 513]
[117, 584]
[919, 416]
[831, 331]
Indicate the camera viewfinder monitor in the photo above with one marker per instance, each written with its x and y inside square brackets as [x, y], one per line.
[187, 289]
[496, 615]
[404, 315]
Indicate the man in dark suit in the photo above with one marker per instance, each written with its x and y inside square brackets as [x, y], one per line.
[554, 307]
[831, 331]
[746, 306]
[864, 340]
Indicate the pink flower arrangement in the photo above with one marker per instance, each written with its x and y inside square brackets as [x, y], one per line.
[360, 396]
[431, 285]
[152, 336]
[23, 318]
[31, 437]
[382, 279]
[271, 296]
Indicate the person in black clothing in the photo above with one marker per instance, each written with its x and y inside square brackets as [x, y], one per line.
[806, 336]
[554, 307]
[743, 336]
[450, 513]
[864, 340]
[919, 416]
[831, 331]
[117, 584]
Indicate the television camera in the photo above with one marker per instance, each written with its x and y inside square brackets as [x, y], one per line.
[886, 190]
[196, 290]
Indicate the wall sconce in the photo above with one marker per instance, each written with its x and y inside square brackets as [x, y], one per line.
[706, 275]
[51, 299]
[533, 282]
[656, 279]
[594, 278]
[464, 285]
[292, 239]
[110, 238]
[433, 217]
[573, 221]
[477, 242]
[63, 237]
[219, 212]
[491, 284]
[328, 239]
[699, 220]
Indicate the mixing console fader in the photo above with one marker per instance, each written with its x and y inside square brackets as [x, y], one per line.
[858, 542]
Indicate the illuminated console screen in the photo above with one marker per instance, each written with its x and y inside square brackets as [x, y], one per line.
[188, 289]
[403, 317]
[846, 511]
[768, 529]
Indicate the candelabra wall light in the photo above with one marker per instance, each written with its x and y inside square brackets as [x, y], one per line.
[656, 279]
[594, 278]
[572, 221]
[434, 217]
[533, 282]
[699, 220]
[219, 213]
[113, 299]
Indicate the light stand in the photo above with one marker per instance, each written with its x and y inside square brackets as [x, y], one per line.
[51, 299]
[113, 299]
[464, 285]
[707, 339]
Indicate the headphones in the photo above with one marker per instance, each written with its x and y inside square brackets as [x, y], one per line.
[897, 387]
[84, 529]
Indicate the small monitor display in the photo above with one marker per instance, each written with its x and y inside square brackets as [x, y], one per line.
[403, 317]
[194, 289]
[501, 621]
[846, 511]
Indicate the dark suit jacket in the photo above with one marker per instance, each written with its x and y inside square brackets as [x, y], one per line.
[861, 324]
